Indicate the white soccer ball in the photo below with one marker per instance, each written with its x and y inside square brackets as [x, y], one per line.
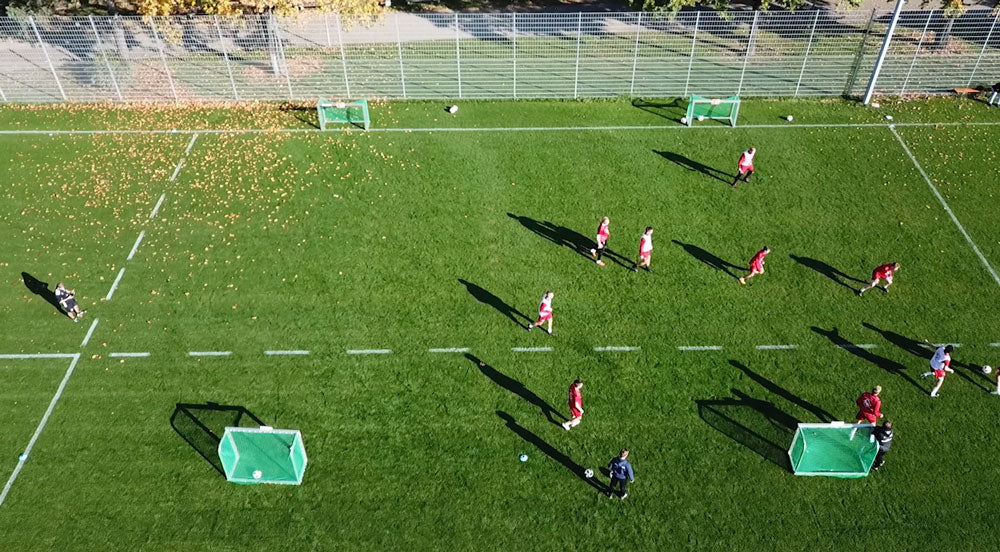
[888, 117]
[588, 473]
[987, 369]
[258, 474]
[701, 117]
[684, 120]
[453, 109]
[524, 457]
[789, 118]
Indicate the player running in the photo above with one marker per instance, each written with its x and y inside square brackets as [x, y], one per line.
[645, 250]
[67, 300]
[744, 168]
[575, 405]
[602, 241]
[940, 366]
[883, 272]
[869, 408]
[756, 264]
[544, 312]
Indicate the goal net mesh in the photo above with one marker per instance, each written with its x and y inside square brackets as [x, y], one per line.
[700, 108]
[830, 450]
[263, 455]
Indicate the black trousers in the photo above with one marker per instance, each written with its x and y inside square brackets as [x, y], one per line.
[622, 485]
[880, 458]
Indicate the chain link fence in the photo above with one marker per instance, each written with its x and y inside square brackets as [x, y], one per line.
[490, 55]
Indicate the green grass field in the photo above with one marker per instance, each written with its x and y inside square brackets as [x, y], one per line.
[411, 241]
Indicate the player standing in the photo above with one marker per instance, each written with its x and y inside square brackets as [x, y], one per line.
[645, 250]
[756, 264]
[883, 272]
[869, 408]
[602, 241]
[544, 312]
[940, 367]
[575, 405]
[744, 167]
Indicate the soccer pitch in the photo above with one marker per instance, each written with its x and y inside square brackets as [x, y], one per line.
[347, 284]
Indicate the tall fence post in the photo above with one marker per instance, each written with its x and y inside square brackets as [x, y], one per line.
[694, 40]
[579, 36]
[513, 25]
[635, 53]
[989, 35]
[343, 57]
[805, 58]
[881, 55]
[225, 55]
[163, 58]
[45, 51]
[746, 54]
[916, 54]
[281, 53]
[399, 47]
[458, 57]
[326, 27]
[107, 63]
[3, 97]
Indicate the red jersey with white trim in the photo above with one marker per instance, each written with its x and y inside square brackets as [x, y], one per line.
[645, 244]
[884, 271]
[941, 359]
[545, 307]
[602, 234]
[869, 403]
[575, 398]
[746, 160]
[758, 259]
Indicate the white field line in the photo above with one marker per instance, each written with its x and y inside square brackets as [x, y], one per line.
[90, 332]
[114, 286]
[157, 208]
[177, 169]
[136, 246]
[38, 431]
[994, 344]
[776, 347]
[858, 346]
[615, 349]
[128, 355]
[209, 353]
[944, 204]
[21, 356]
[532, 349]
[191, 144]
[450, 350]
[699, 348]
[369, 351]
[287, 352]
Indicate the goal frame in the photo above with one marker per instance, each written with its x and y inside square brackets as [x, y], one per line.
[712, 106]
[832, 425]
[231, 459]
[329, 112]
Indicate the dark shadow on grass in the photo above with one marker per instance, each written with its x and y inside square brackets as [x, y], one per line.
[820, 413]
[518, 388]
[673, 110]
[42, 290]
[692, 165]
[757, 425]
[710, 259]
[569, 238]
[926, 351]
[892, 367]
[497, 303]
[550, 451]
[307, 115]
[202, 426]
[828, 271]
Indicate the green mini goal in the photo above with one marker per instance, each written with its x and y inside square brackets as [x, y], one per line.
[833, 449]
[353, 113]
[263, 455]
[712, 108]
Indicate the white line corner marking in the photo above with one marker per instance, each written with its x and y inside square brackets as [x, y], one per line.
[114, 286]
[90, 332]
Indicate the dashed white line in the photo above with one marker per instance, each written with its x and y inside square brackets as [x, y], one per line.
[994, 344]
[21, 356]
[191, 144]
[114, 286]
[90, 332]
[776, 347]
[699, 348]
[177, 170]
[531, 349]
[615, 349]
[157, 208]
[287, 352]
[858, 346]
[209, 353]
[369, 351]
[450, 350]
[136, 246]
[128, 355]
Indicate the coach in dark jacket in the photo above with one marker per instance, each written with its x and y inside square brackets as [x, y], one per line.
[883, 436]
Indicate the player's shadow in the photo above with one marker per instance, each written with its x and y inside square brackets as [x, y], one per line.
[828, 271]
[518, 388]
[550, 451]
[202, 426]
[692, 165]
[890, 366]
[41, 289]
[569, 238]
[497, 303]
[820, 413]
[710, 259]
[757, 425]
[674, 110]
[963, 369]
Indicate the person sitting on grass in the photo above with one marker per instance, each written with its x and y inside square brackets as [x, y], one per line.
[67, 300]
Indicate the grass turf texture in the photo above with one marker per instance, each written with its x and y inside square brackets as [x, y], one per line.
[329, 242]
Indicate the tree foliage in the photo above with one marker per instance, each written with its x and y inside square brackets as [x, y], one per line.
[236, 7]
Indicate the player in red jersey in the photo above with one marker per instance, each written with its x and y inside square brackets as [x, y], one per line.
[883, 272]
[744, 168]
[756, 264]
[575, 405]
[645, 250]
[544, 312]
[602, 241]
[869, 407]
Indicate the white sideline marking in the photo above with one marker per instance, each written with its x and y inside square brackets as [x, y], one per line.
[290, 352]
[994, 344]
[532, 349]
[776, 347]
[369, 351]
[19, 356]
[191, 144]
[157, 208]
[945, 205]
[128, 355]
[699, 348]
[136, 246]
[114, 286]
[615, 349]
[858, 346]
[90, 332]
[177, 169]
[209, 353]
[450, 350]
[38, 431]
[956, 345]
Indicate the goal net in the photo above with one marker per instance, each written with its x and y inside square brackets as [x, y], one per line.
[352, 113]
[712, 108]
[829, 449]
[263, 455]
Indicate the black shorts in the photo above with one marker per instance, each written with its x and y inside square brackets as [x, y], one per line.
[69, 304]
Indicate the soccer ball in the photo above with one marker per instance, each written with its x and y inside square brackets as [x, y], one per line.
[789, 118]
[341, 105]
[258, 474]
[987, 369]
[588, 473]
[888, 117]
[701, 117]
[684, 120]
[453, 109]
[524, 457]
